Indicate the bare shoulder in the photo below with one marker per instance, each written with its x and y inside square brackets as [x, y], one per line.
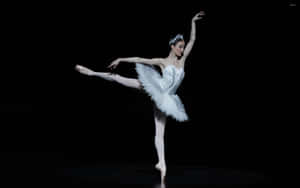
[164, 62]
[159, 61]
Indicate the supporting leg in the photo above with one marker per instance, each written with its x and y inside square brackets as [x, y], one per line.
[160, 124]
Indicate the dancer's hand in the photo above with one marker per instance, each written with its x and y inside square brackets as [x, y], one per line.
[84, 70]
[198, 16]
[114, 64]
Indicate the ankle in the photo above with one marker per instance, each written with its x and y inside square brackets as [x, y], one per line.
[108, 76]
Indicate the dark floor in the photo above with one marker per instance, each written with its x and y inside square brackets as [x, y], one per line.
[144, 175]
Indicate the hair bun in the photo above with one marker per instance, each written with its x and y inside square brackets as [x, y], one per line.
[177, 38]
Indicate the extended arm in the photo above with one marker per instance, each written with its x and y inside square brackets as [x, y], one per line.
[153, 61]
[191, 42]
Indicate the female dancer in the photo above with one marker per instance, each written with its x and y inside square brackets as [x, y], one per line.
[161, 89]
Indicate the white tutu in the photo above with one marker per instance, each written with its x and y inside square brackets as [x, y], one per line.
[162, 89]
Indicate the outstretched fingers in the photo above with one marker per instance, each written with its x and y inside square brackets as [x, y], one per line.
[199, 15]
[111, 66]
[114, 64]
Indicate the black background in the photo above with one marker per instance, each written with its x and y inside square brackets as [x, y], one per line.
[237, 90]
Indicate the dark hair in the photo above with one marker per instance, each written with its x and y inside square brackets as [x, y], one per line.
[176, 39]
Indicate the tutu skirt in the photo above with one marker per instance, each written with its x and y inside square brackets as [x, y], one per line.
[158, 88]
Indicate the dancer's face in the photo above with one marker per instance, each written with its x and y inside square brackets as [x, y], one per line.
[178, 48]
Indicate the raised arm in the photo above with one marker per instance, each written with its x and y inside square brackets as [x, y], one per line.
[191, 42]
[152, 61]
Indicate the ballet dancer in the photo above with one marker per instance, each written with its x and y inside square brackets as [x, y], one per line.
[160, 87]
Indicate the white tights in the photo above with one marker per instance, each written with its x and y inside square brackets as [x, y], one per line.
[128, 82]
[160, 124]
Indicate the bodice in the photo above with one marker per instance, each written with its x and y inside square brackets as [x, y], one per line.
[171, 78]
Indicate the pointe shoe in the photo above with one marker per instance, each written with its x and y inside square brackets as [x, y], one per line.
[162, 170]
[83, 70]
[163, 174]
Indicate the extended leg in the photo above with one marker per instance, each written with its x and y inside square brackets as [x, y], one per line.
[128, 82]
[160, 123]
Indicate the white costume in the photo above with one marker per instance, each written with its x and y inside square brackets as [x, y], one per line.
[162, 89]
